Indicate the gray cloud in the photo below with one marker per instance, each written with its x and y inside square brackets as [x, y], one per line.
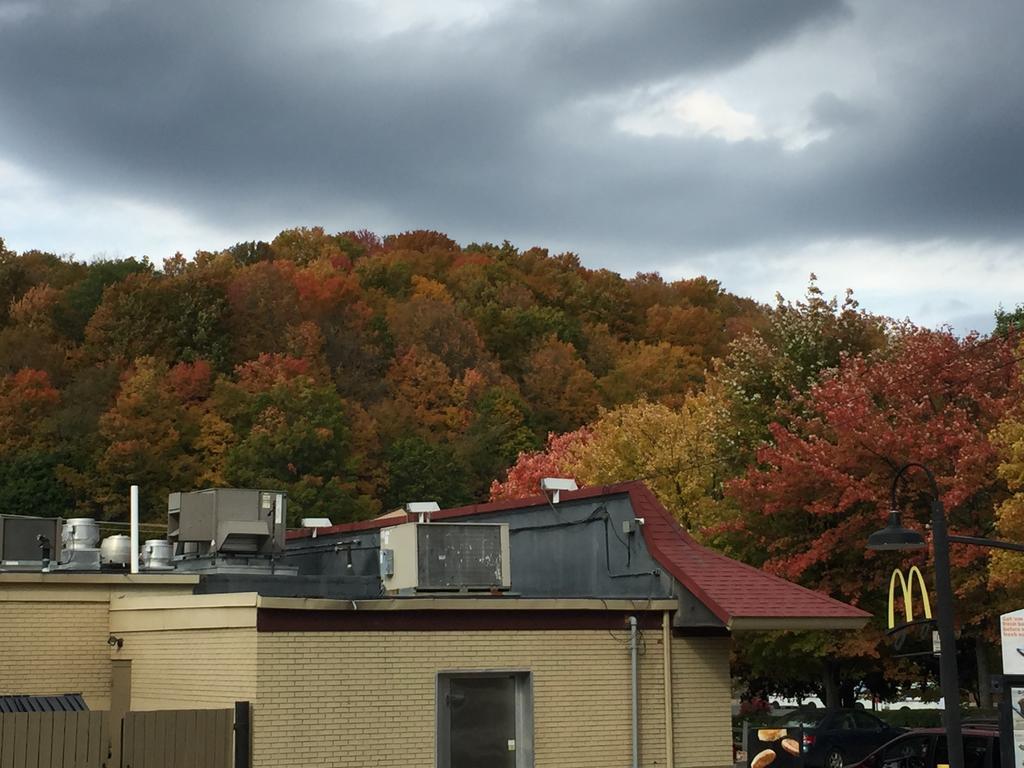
[258, 113]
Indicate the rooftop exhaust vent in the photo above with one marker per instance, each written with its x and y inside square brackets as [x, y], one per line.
[227, 520]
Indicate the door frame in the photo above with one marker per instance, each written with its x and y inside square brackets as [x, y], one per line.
[524, 712]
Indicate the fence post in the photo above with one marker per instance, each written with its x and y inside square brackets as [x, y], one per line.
[243, 735]
[120, 705]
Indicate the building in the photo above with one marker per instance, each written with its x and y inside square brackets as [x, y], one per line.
[345, 666]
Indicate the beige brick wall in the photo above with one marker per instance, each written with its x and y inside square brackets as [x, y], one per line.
[191, 669]
[368, 698]
[55, 647]
[702, 712]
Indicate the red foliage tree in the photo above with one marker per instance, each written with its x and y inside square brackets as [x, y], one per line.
[558, 459]
[822, 485]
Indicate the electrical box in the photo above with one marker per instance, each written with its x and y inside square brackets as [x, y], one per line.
[19, 547]
[445, 557]
[227, 520]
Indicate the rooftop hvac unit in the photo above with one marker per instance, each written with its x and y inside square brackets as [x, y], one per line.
[19, 545]
[227, 520]
[445, 557]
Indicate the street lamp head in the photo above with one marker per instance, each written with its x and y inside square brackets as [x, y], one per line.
[895, 536]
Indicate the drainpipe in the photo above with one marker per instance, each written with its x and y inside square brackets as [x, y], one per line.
[635, 701]
[666, 642]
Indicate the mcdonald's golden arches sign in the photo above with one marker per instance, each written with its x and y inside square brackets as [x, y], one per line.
[907, 588]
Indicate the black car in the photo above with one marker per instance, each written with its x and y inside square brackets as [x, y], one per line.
[833, 738]
[926, 748]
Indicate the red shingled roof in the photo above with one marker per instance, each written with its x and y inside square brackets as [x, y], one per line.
[738, 594]
[730, 589]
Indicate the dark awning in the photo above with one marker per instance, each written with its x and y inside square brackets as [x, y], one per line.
[68, 702]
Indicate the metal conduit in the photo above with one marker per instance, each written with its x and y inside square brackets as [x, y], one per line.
[635, 714]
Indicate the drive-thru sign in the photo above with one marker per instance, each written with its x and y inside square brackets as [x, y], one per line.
[1011, 628]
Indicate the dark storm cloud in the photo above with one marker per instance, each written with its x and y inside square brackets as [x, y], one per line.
[248, 112]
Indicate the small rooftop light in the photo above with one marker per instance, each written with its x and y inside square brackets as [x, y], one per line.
[316, 522]
[553, 486]
[422, 509]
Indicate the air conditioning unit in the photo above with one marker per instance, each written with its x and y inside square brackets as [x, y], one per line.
[445, 557]
[19, 547]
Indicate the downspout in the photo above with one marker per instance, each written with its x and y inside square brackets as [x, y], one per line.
[666, 641]
[635, 699]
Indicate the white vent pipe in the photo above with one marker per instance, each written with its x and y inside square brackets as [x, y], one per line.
[134, 554]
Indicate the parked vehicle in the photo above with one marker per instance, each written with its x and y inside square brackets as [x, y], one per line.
[927, 748]
[833, 738]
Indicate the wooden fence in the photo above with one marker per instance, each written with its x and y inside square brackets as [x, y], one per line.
[194, 738]
[200, 738]
[56, 740]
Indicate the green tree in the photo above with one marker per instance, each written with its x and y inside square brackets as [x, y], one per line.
[1009, 321]
[80, 300]
[294, 433]
[498, 432]
[767, 369]
[420, 471]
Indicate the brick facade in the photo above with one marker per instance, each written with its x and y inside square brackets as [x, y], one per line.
[192, 669]
[364, 698]
[368, 699]
[55, 648]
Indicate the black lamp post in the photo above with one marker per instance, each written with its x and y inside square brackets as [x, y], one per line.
[895, 536]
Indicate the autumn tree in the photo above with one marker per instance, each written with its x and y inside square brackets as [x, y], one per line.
[1007, 568]
[559, 458]
[429, 320]
[563, 392]
[662, 372]
[293, 432]
[765, 370]
[437, 355]
[149, 438]
[669, 449]
[29, 449]
[821, 486]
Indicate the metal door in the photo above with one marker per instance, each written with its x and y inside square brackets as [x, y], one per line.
[482, 721]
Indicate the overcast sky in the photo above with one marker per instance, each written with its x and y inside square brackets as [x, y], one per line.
[877, 144]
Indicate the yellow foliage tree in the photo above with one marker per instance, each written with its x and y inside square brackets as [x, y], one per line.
[1006, 569]
[670, 449]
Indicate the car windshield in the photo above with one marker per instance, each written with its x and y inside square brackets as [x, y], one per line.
[801, 718]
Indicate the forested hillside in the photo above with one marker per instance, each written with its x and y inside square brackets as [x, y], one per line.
[356, 372]
[359, 372]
